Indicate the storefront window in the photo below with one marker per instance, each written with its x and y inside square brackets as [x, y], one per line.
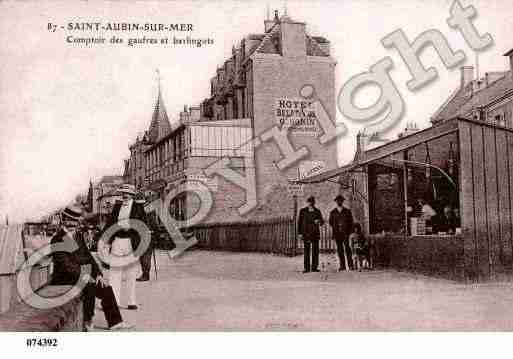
[416, 191]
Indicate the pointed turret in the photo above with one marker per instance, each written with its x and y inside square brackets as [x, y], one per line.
[160, 125]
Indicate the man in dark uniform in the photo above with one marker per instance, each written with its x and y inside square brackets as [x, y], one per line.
[341, 221]
[310, 219]
[145, 258]
[67, 271]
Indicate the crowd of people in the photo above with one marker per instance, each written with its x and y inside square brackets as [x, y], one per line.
[353, 247]
[118, 239]
[105, 251]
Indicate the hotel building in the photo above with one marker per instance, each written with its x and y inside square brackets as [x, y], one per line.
[256, 89]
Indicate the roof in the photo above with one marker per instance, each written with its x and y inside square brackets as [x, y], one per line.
[451, 106]
[377, 154]
[240, 122]
[483, 97]
[176, 126]
[463, 101]
[111, 179]
[320, 39]
[327, 175]
[112, 193]
[160, 125]
[268, 42]
[313, 48]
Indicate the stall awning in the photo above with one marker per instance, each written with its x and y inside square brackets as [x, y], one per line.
[326, 176]
[376, 154]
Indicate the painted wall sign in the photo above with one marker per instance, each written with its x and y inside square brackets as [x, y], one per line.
[299, 116]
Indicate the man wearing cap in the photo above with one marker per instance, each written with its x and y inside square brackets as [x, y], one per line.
[68, 270]
[341, 221]
[310, 219]
[124, 242]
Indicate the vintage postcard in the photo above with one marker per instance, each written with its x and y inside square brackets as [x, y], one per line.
[185, 166]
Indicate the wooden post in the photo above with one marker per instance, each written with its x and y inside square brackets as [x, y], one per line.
[405, 189]
[294, 218]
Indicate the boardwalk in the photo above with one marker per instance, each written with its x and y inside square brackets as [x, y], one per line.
[243, 291]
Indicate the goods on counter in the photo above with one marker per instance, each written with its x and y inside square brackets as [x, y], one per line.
[417, 226]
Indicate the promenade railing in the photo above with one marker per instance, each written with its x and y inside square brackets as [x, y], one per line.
[277, 235]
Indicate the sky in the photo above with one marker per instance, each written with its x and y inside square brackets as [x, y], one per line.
[68, 112]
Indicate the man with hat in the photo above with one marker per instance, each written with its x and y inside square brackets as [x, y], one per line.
[124, 242]
[145, 258]
[310, 219]
[67, 271]
[341, 221]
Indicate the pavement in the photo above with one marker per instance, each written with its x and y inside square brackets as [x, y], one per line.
[226, 291]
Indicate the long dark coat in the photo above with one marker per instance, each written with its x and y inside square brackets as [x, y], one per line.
[307, 226]
[67, 266]
[341, 222]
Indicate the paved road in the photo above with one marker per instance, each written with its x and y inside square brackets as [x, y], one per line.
[247, 291]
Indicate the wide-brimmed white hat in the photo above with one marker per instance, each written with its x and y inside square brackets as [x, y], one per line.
[72, 212]
[127, 188]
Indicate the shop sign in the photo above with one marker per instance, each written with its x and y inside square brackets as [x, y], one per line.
[311, 168]
[295, 189]
[210, 182]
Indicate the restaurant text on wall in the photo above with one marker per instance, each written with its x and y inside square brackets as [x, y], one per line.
[297, 116]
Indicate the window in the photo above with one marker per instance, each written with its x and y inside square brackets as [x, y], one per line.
[500, 120]
[243, 103]
[235, 107]
[175, 149]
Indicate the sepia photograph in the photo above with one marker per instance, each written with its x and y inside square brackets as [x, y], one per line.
[253, 166]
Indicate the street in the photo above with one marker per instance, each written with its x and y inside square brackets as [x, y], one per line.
[214, 291]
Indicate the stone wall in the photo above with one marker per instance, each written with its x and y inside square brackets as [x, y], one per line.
[8, 294]
[24, 318]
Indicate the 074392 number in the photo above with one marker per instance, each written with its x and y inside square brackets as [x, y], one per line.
[41, 342]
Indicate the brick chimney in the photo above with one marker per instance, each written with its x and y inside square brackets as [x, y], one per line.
[467, 75]
[361, 145]
[293, 37]
[510, 55]
[492, 76]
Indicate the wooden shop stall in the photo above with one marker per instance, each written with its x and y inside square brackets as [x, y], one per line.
[438, 201]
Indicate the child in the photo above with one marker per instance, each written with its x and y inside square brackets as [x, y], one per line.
[359, 247]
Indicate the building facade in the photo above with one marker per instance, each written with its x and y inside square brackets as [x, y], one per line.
[461, 168]
[256, 89]
[104, 193]
[488, 99]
